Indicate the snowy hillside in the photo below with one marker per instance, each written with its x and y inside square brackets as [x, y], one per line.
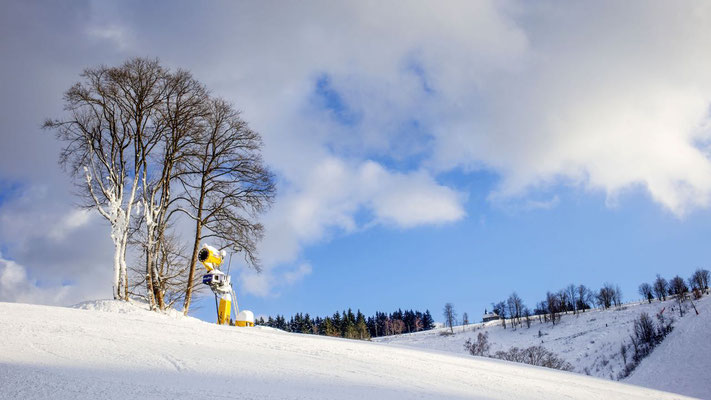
[591, 342]
[115, 350]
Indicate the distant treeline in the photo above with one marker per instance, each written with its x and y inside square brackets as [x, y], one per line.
[575, 299]
[354, 326]
[579, 298]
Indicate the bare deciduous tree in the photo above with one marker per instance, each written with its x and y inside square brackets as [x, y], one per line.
[660, 288]
[677, 286]
[226, 186]
[108, 137]
[606, 295]
[645, 290]
[617, 296]
[450, 316]
[500, 310]
[572, 292]
[171, 266]
[585, 297]
[700, 279]
[515, 305]
[138, 133]
[541, 310]
[181, 114]
[553, 305]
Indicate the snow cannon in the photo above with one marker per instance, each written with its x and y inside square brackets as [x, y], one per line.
[210, 257]
[245, 318]
[221, 285]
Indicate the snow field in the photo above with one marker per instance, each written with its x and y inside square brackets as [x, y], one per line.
[114, 350]
[591, 342]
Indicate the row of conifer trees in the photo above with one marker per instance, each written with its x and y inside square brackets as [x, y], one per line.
[354, 325]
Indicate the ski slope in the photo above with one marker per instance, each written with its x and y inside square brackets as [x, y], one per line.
[114, 350]
[591, 341]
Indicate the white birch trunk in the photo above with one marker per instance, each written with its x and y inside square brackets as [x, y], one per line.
[117, 271]
[118, 219]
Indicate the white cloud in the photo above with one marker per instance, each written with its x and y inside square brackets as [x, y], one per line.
[606, 97]
[16, 286]
[55, 253]
[408, 200]
[257, 284]
[298, 274]
[114, 35]
[597, 101]
[518, 204]
[265, 284]
[73, 220]
[327, 200]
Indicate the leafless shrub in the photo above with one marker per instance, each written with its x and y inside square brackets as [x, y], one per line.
[534, 355]
[646, 335]
[480, 347]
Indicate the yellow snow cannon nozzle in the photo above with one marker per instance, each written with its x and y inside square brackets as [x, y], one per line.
[210, 257]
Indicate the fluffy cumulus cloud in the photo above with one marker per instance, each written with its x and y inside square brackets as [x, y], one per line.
[56, 254]
[603, 97]
[363, 105]
[329, 199]
[16, 286]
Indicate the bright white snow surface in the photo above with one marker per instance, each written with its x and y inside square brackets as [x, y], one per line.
[682, 363]
[114, 350]
[591, 342]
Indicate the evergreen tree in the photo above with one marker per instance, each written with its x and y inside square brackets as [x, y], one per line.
[428, 321]
[330, 329]
[348, 325]
[354, 326]
[380, 322]
[360, 327]
[316, 329]
[409, 319]
[281, 323]
[307, 325]
[372, 326]
[336, 320]
[293, 326]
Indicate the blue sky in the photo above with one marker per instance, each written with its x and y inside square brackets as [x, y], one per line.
[439, 153]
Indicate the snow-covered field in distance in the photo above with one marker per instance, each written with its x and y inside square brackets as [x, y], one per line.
[591, 342]
[113, 350]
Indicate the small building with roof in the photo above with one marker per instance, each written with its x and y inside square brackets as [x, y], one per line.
[490, 317]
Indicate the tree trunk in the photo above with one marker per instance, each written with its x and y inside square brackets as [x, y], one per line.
[149, 281]
[124, 272]
[124, 239]
[193, 262]
[157, 285]
[117, 267]
[196, 248]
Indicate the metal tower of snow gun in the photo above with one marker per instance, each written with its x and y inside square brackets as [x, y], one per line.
[221, 285]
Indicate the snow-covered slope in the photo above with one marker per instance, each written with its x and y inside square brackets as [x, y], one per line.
[682, 363]
[111, 350]
[591, 342]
